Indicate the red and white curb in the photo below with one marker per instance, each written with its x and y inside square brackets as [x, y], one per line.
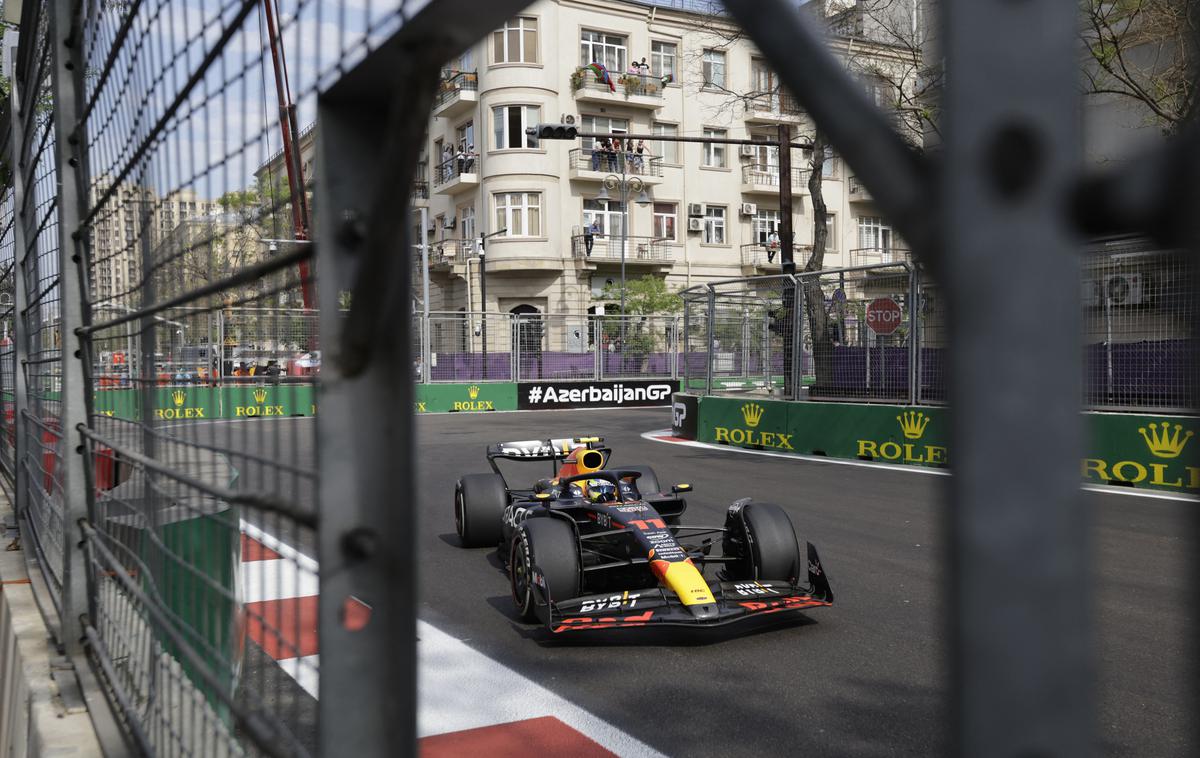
[469, 704]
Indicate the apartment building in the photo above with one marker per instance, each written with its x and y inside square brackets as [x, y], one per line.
[692, 212]
[117, 238]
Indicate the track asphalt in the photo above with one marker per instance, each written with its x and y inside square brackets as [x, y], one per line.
[863, 678]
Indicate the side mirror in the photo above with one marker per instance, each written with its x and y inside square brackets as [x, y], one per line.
[681, 488]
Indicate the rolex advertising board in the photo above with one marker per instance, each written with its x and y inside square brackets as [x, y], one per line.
[1122, 449]
[465, 398]
[193, 403]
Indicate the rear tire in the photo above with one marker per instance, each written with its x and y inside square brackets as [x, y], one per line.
[479, 503]
[551, 545]
[762, 534]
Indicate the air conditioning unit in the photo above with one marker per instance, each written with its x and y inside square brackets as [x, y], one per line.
[695, 209]
[749, 151]
[567, 119]
[695, 224]
[432, 226]
[749, 209]
[1124, 289]
[450, 222]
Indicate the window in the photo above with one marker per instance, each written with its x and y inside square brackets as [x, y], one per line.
[714, 68]
[831, 231]
[666, 150]
[516, 41]
[464, 136]
[766, 157]
[765, 86]
[714, 225]
[600, 125]
[607, 214]
[606, 49]
[662, 59]
[510, 122]
[520, 213]
[714, 154]
[763, 223]
[665, 219]
[466, 224]
[874, 233]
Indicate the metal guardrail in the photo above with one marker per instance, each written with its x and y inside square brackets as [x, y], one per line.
[453, 83]
[762, 254]
[628, 84]
[634, 250]
[623, 162]
[764, 174]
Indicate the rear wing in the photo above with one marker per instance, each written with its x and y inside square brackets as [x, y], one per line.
[543, 450]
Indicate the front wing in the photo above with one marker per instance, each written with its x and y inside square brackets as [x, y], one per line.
[736, 601]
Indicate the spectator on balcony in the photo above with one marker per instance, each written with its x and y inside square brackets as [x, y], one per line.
[589, 236]
[469, 165]
[462, 156]
[772, 245]
[643, 68]
[597, 149]
[640, 154]
[610, 154]
[447, 168]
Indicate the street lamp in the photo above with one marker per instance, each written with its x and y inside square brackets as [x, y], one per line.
[626, 185]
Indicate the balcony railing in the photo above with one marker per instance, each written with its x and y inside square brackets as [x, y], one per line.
[763, 256]
[758, 173]
[447, 170]
[420, 190]
[584, 79]
[777, 103]
[637, 249]
[867, 256]
[454, 82]
[450, 252]
[614, 162]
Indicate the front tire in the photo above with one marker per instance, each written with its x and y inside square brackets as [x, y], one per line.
[479, 503]
[551, 545]
[763, 536]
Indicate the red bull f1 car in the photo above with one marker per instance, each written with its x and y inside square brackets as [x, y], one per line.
[600, 547]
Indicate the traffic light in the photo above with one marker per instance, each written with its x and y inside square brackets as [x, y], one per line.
[553, 131]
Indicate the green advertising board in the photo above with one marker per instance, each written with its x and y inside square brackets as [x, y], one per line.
[1122, 449]
[469, 398]
[202, 403]
[267, 401]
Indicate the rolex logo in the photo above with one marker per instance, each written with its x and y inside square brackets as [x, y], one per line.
[260, 395]
[179, 397]
[913, 424]
[1162, 443]
[752, 413]
[473, 391]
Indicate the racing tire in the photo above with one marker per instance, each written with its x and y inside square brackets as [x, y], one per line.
[767, 544]
[647, 483]
[551, 545]
[479, 503]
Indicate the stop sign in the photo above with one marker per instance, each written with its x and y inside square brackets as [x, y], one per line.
[883, 315]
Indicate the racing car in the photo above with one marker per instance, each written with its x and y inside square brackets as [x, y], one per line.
[599, 547]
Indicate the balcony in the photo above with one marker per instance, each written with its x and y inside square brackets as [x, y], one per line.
[857, 192]
[594, 165]
[444, 255]
[420, 194]
[627, 89]
[757, 257]
[455, 175]
[773, 108]
[458, 92]
[763, 179]
[870, 256]
[639, 251]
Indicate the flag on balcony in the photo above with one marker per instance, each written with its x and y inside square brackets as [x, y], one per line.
[602, 75]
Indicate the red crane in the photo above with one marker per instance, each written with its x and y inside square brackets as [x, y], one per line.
[291, 143]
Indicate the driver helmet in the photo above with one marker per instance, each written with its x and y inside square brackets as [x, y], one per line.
[601, 491]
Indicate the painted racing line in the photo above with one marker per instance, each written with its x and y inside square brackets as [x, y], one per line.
[469, 704]
[668, 436]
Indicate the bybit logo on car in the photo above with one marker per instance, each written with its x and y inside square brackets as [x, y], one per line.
[753, 415]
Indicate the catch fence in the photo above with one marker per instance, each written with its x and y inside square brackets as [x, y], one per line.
[738, 337]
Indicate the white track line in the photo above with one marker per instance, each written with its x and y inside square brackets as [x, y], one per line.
[658, 435]
[461, 688]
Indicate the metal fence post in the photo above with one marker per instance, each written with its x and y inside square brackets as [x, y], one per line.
[67, 86]
[800, 315]
[712, 315]
[914, 336]
[20, 303]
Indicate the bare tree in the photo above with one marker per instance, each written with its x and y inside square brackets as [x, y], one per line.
[1144, 51]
